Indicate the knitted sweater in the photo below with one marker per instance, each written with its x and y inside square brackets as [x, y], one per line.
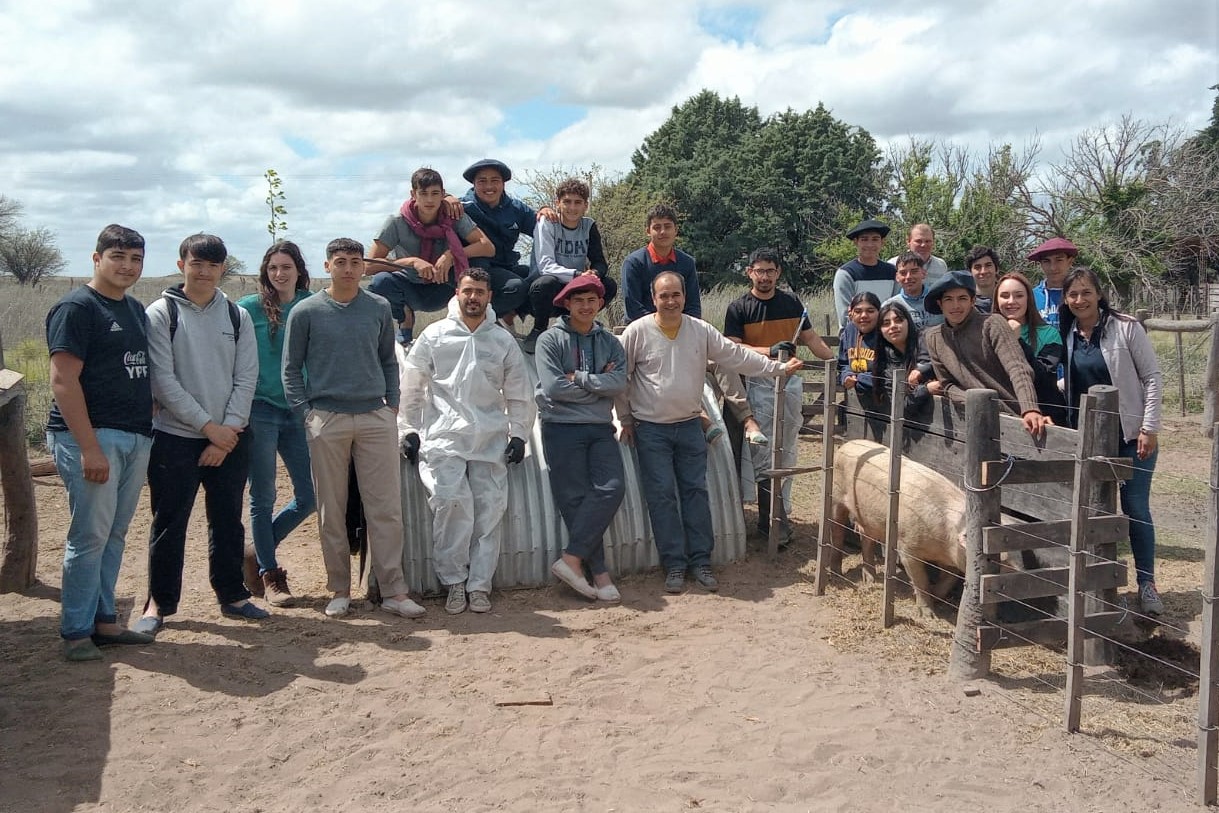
[982, 352]
[339, 357]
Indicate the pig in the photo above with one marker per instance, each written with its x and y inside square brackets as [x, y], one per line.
[930, 519]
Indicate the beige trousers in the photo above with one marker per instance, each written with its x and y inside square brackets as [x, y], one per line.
[370, 439]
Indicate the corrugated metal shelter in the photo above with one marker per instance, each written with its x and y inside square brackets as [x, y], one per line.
[534, 535]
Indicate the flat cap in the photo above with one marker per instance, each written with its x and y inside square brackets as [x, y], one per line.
[487, 163]
[953, 279]
[866, 226]
[1054, 246]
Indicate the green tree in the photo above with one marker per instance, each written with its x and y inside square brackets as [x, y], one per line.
[1208, 137]
[967, 198]
[698, 161]
[813, 168]
[741, 182]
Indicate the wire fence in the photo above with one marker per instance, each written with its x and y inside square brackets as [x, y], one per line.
[1141, 708]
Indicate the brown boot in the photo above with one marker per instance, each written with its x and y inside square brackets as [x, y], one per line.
[249, 572]
[275, 583]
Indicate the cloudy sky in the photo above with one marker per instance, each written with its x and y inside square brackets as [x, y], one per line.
[162, 115]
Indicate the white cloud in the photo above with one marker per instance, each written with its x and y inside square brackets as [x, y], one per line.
[164, 116]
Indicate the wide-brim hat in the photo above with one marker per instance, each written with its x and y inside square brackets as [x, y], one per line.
[953, 279]
[866, 226]
[1055, 245]
[487, 163]
[582, 282]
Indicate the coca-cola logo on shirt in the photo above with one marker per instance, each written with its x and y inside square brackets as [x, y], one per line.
[136, 364]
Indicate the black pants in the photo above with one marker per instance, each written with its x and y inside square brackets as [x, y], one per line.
[174, 477]
[543, 290]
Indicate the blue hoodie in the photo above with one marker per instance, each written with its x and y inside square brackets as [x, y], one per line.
[503, 224]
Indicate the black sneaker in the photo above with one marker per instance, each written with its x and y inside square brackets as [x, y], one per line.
[703, 575]
[675, 581]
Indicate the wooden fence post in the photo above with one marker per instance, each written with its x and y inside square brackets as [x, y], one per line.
[1208, 690]
[1101, 499]
[19, 555]
[829, 416]
[775, 508]
[982, 508]
[1210, 409]
[897, 431]
[1077, 565]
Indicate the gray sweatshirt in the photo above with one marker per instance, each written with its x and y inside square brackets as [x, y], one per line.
[340, 357]
[589, 396]
[202, 375]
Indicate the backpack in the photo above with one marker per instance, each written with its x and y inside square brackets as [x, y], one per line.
[172, 305]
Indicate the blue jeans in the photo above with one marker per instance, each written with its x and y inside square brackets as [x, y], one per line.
[587, 481]
[97, 532]
[405, 290]
[276, 430]
[673, 473]
[1136, 504]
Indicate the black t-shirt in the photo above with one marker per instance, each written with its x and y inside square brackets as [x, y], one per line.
[765, 322]
[111, 338]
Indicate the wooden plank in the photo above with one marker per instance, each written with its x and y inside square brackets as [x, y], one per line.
[541, 699]
[1049, 581]
[9, 379]
[1179, 326]
[1022, 472]
[1047, 631]
[1057, 533]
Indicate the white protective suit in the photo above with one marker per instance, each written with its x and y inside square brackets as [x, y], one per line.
[466, 393]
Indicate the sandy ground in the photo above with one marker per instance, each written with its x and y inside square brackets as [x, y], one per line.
[762, 698]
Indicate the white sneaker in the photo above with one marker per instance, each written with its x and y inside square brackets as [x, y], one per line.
[338, 607]
[609, 593]
[405, 608]
[456, 602]
[480, 602]
[563, 572]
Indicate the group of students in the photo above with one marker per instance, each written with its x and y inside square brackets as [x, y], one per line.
[198, 391]
[1040, 348]
[192, 392]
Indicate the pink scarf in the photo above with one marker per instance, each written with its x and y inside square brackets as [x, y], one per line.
[430, 233]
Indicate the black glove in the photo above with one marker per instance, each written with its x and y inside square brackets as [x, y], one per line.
[515, 452]
[782, 347]
[410, 447]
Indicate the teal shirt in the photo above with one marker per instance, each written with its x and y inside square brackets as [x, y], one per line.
[270, 348]
[1046, 334]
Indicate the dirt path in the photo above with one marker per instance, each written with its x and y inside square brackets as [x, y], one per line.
[764, 697]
